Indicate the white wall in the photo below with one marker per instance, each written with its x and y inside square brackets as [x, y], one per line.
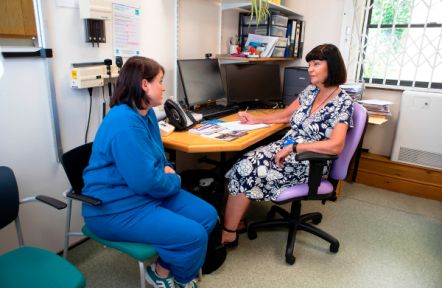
[199, 30]
[26, 144]
[323, 20]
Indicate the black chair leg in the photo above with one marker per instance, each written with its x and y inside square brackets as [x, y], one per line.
[276, 209]
[289, 257]
[315, 217]
[334, 243]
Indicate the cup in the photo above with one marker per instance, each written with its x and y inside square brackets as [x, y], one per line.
[232, 49]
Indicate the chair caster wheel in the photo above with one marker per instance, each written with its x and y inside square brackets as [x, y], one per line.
[290, 259]
[334, 247]
[252, 234]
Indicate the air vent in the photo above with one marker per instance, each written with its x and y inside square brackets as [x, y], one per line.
[424, 158]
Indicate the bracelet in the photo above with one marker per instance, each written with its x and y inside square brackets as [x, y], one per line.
[294, 148]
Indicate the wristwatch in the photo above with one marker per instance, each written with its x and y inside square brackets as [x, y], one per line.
[294, 148]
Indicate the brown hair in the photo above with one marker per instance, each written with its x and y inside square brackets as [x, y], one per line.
[128, 90]
[337, 73]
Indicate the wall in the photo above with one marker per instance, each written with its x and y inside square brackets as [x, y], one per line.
[27, 146]
[199, 31]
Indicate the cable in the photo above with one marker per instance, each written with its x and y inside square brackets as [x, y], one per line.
[89, 117]
[104, 103]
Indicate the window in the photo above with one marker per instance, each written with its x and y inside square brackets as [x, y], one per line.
[401, 43]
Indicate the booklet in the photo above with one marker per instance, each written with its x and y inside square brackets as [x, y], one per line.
[225, 135]
[206, 129]
[217, 132]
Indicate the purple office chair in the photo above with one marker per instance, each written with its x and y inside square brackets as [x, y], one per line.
[316, 189]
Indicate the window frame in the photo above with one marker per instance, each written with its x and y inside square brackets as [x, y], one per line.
[366, 9]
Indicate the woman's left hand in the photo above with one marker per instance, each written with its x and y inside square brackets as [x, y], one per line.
[282, 154]
[169, 170]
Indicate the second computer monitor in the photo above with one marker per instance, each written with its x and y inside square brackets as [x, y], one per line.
[246, 83]
[201, 80]
[296, 79]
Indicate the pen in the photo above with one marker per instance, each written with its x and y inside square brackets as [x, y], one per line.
[244, 117]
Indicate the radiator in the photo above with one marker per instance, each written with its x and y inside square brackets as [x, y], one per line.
[418, 137]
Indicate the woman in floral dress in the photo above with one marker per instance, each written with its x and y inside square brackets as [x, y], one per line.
[319, 119]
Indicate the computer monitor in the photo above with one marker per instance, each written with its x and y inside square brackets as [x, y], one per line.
[253, 83]
[201, 81]
[296, 79]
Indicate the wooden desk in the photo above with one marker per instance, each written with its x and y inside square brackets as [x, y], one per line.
[192, 143]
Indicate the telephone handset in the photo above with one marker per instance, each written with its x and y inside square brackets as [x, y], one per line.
[178, 117]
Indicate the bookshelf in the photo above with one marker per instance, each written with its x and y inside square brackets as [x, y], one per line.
[245, 7]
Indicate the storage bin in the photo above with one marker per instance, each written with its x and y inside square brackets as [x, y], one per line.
[279, 20]
[282, 42]
[278, 52]
[260, 30]
[248, 21]
[278, 31]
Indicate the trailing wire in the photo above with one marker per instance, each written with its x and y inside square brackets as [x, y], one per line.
[89, 117]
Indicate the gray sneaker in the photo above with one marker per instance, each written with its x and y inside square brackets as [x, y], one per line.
[156, 281]
[191, 284]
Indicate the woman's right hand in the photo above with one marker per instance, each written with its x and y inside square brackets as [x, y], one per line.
[246, 118]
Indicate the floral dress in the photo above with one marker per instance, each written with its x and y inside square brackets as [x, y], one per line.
[256, 175]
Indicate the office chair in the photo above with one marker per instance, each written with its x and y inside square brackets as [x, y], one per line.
[316, 189]
[29, 266]
[74, 162]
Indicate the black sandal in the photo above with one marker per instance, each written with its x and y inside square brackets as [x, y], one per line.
[234, 243]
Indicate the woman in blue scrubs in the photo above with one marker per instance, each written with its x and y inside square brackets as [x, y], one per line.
[140, 191]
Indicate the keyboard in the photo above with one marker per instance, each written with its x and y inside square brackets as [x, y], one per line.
[216, 111]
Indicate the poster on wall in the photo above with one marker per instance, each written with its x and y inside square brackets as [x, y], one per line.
[126, 30]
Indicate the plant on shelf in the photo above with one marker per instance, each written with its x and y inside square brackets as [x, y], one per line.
[260, 10]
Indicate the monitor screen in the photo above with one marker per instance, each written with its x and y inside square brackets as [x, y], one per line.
[201, 80]
[253, 83]
[296, 79]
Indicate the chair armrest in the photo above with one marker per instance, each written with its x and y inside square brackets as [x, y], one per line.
[46, 200]
[317, 163]
[313, 156]
[86, 199]
[51, 201]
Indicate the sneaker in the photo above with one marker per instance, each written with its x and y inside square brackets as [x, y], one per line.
[156, 281]
[191, 284]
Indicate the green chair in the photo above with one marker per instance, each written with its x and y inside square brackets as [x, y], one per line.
[74, 162]
[29, 266]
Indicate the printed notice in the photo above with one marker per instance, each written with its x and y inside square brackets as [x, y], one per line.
[126, 30]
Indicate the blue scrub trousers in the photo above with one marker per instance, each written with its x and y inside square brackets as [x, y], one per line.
[177, 226]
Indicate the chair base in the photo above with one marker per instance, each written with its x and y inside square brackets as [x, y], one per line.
[294, 221]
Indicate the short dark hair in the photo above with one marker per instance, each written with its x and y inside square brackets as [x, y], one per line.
[337, 73]
[128, 89]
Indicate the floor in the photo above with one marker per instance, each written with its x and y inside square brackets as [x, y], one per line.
[387, 240]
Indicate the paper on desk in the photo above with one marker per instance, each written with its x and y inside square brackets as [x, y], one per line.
[237, 126]
[375, 102]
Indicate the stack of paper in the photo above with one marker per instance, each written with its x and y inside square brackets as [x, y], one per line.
[355, 90]
[377, 106]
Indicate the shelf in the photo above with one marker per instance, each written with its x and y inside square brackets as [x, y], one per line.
[245, 5]
[227, 59]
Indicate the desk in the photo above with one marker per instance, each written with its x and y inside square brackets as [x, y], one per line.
[192, 143]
